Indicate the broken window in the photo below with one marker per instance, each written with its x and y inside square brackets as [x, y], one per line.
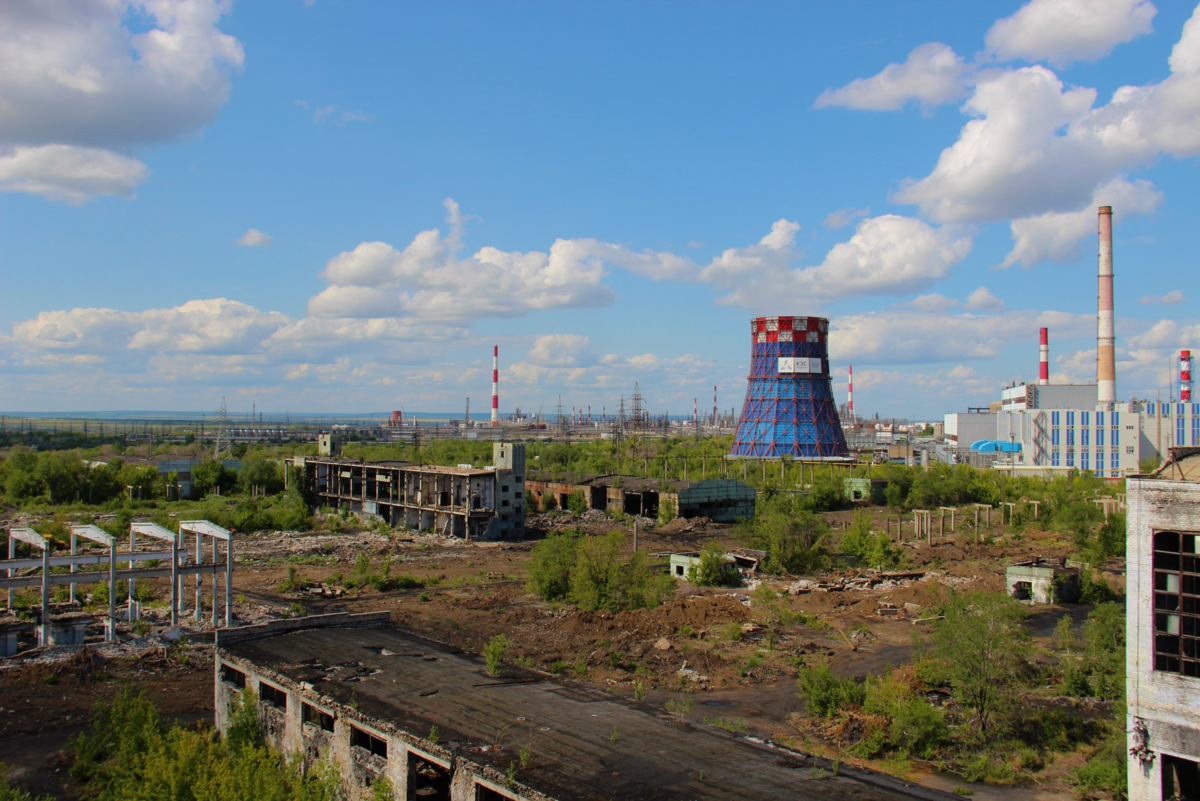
[484, 793]
[1176, 603]
[368, 742]
[1180, 778]
[318, 718]
[272, 696]
[233, 676]
[427, 780]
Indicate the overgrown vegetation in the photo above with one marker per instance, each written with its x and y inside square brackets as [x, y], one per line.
[1002, 723]
[713, 569]
[589, 572]
[129, 753]
[870, 548]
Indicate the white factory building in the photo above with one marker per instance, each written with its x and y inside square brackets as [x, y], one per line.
[1046, 429]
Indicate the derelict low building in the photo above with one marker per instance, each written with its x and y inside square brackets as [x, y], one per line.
[724, 500]
[381, 702]
[469, 502]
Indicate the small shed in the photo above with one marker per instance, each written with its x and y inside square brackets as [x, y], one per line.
[865, 490]
[1043, 581]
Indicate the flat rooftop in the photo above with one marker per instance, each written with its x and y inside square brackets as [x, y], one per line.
[393, 464]
[586, 744]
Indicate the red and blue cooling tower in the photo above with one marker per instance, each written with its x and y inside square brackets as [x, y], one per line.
[789, 408]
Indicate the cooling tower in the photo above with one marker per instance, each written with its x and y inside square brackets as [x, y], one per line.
[789, 408]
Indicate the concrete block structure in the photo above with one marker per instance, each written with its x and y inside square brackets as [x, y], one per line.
[473, 503]
[1043, 581]
[1162, 670]
[865, 490]
[381, 702]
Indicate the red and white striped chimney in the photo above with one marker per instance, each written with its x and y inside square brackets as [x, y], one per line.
[695, 411]
[1185, 376]
[1044, 361]
[715, 415]
[495, 385]
[850, 394]
[1106, 366]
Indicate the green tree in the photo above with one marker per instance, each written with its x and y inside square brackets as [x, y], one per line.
[871, 549]
[550, 564]
[595, 575]
[212, 476]
[262, 471]
[1097, 669]
[577, 502]
[795, 543]
[986, 652]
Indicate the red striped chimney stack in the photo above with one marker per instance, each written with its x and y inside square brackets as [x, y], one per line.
[1106, 367]
[850, 394]
[1044, 361]
[495, 385]
[1185, 376]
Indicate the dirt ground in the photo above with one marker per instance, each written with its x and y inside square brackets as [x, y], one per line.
[705, 648]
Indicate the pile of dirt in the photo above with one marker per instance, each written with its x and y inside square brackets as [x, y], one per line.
[685, 525]
[700, 613]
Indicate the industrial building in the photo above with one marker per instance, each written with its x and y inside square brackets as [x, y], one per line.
[472, 503]
[722, 500]
[1046, 429]
[789, 408]
[1163, 630]
[381, 702]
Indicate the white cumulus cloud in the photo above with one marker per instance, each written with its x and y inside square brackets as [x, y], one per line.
[1056, 235]
[1062, 31]
[254, 238]
[932, 75]
[1037, 146]
[68, 173]
[1174, 296]
[76, 83]
[982, 299]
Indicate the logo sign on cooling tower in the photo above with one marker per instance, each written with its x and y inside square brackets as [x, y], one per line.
[799, 364]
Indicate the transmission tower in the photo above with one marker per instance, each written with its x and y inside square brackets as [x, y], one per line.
[637, 412]
[222, 429]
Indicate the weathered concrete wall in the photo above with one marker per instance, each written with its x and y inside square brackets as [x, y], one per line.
[1166, 704]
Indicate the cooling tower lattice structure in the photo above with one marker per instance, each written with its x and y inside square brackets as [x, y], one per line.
[789, 408]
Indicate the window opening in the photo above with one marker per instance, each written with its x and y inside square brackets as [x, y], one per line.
[272, 696]
[368, 742]
[231, 675]
[1176, 603]
[427, 781]
[318, 718]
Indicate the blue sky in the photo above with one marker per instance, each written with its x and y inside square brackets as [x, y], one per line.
[208, 199]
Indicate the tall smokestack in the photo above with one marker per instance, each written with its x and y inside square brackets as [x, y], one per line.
[1044, 361]
[715, 415]
[495, 385]
[1106, 367]
[850, 394]
[1185, 376]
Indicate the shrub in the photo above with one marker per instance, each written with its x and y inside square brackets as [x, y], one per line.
[794, 542]
[294, 581]
[667, 510]
[713, 570]
[550, 564]
[871, 549]
[495, 651]
[577, 502]
[548, 503]
[824, 693]
[1106, 770]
